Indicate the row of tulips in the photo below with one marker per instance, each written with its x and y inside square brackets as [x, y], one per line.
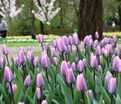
[66, 72]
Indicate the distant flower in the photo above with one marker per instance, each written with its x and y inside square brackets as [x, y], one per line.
[108, 76]
[27, 81]
[117, 51]
[47, 47]
[98, 51]
[112, 85]
[8, 75]
[4, 50]
[70, 40]
[16, 61]
[99, 68]
[53, 52]
[22, 57]
[91, 94]
[39, 80]
[73, 66]
[30, 55]
[81, 66]
[81, 83]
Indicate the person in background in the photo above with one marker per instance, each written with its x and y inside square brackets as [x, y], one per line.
[113, 26]
[3, 27]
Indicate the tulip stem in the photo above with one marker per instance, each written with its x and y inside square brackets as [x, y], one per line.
[47, 76]
[72, 91]
[42, 46]
[24, 72]
[111, 98]
[7, 60]
[83, 98]
[12, 96]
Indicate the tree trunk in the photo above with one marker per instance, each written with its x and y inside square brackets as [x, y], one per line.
[41, 28]
[119, 13]
[90, 18]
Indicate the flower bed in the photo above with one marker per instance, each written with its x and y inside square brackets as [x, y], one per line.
[66, 73]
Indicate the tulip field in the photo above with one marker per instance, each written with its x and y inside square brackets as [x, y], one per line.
[65, 72]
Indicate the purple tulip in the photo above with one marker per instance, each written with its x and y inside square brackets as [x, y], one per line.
[81, 66]
[91, 94]
[109, 48]
[45, 61]
[96, 35]
[55, 60]
[27, 81]
[36, 61]
[14, 87]
[70, 76]
[38, 93]
[70, 40]
[8, 75]
[4, 50]
[105, 52]
[75, 39]
[98, 51]
[93, 61]
[30, 55]
[22, 57]
[96, 43]
[117, 51]
[116, 64]
[40, 38]
[115, 38]
[73, 66]
[90, 43]
[99, 68]
[108, 76]
[64, 68]
[16, 61]
[1, 63]
[44, 102]
[55, 43]
[53, 52]
[86, 40]
[65, 39]
[29, 48]
[47, 47]
[112, 85]
[81, 83]
[39, 80]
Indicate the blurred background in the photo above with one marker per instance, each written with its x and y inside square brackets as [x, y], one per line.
[65, 22]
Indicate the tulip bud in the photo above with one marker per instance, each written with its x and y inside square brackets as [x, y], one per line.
[73, 66]
[99, 69]
[44, 102]
[22, 57]
[112, 85]
[40, 38]
[36, 61]
[8, 75]
[115, 38]
[55, 60]
[53, 52]
[39, 80]
[108, 76]
[75, 39]
[116, 64]
[45, 61]
[70, 40]
[1, 63]
[81, 66]
[4, 50]
[98, 51]
[91, 94]
[93, 61]
[81, 83]
[47, 47]
[14, 87]
[96, 35]
[64, 67]
[16, 61]
[30, 55]
[70, 76]
[38, 93]
[117, 51]
[27, 81]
